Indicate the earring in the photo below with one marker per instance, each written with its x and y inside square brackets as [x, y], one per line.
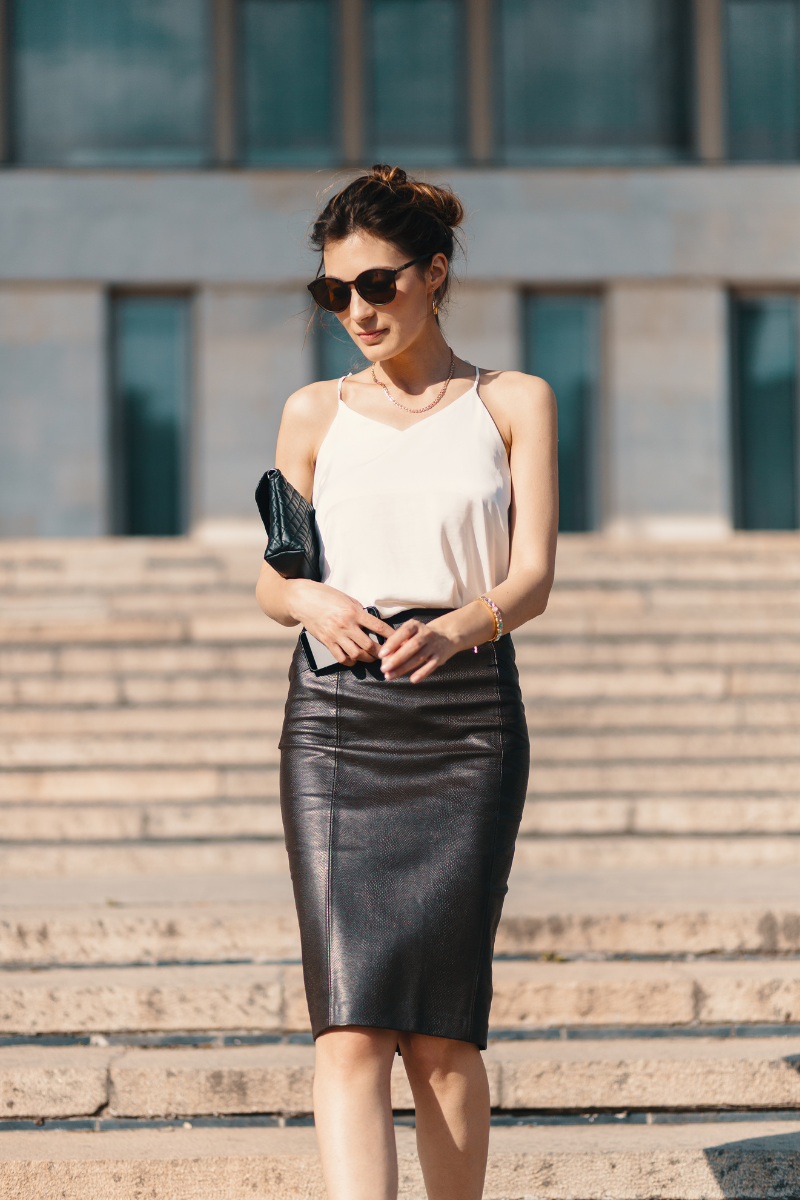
[435, 306]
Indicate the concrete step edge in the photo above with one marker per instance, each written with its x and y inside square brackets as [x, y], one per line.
[270, 997]
[749, 1161]
[689, 1074]
[220, 933]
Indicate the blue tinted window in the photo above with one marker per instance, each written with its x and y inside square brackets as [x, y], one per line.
[414, 68]
[763, 79]
[562, 345]
[336, 352]
[151, 392]
[118, 83]
[288, 49]
[594, 80]
[765, 424]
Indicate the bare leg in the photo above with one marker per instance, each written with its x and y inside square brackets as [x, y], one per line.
[353, 1112]
[451, 1094]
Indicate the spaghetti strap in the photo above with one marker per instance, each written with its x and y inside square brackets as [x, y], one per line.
[341, 381]
[477, 380]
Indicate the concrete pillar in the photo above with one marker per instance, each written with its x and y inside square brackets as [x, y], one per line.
[53, 430]
[250, 358]
[482, 324]
[666, 469]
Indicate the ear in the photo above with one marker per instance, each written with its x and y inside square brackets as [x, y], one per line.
[438, 271]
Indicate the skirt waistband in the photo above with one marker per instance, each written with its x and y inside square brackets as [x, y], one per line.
[419, 614]
[416, 614]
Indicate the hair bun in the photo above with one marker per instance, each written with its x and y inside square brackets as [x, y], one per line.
[440, 202]
[394, 176]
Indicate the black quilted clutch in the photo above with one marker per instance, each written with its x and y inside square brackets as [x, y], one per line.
[292, 546]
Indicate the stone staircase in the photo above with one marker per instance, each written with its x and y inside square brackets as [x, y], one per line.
[646, 1021]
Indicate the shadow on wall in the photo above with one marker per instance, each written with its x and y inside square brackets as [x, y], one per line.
[754, 1168]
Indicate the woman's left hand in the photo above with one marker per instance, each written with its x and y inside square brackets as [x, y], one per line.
[415, 647]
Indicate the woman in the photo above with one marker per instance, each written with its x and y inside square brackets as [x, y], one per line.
[404, 770]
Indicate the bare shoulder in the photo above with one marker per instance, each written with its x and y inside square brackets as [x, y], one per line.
[518, 402]
[308, 415]
[311, 405]
[515, 388]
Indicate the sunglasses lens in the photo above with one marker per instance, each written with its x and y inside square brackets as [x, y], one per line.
[376, 286]
[330, 294]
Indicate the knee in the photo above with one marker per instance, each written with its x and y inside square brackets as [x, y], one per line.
[434, 1057]
[354, 1050]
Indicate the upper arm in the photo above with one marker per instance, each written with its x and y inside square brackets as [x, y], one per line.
[530, 409]
[307, 416]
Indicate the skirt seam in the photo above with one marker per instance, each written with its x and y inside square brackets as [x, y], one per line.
[328, 885]
[487, 910]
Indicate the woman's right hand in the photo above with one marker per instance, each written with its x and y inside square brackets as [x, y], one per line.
[336, 620]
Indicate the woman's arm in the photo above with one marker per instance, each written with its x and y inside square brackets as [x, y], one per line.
[335, 619]
[524, 409]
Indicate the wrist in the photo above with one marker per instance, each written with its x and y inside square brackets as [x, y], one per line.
[294, 590]
[466, 627]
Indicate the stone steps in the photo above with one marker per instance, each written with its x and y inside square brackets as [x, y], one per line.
[544, 1076]
[724, 618]
[110, 820]
[605, 785]
[139, 646]
[145, 903]
[44, 860]
[229, 748]
[269, 997]
[144, 768]
[186, 918]
[217, 687]
[747, 1160]
[564, 717]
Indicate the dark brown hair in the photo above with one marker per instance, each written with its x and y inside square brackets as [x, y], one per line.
[418, 218]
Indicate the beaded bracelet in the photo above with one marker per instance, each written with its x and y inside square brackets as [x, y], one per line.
[498, 616]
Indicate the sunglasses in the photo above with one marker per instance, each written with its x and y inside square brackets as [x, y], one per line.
[376, 286]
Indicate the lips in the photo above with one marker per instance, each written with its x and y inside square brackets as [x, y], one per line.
[371, 336]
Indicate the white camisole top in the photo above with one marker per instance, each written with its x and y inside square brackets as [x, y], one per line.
[414, 518]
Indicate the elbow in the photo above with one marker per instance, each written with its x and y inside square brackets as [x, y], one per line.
[539, 605]
[274, 611]
[540, 592]
[547, 587]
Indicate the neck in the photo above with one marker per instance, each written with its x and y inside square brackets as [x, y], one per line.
[425, 362]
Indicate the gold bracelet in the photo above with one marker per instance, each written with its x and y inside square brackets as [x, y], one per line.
[496, 614]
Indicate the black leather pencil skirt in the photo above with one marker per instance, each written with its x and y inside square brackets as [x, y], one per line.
[401, 804]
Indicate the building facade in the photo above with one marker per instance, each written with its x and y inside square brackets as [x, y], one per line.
[631, 174]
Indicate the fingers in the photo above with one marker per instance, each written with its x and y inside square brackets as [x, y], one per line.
[374, 624]
[398, 648]
[417, 649]
[346, 650]
[398, 636]
[354, 643]
[412, 649]
[354, 652]
[425, 670]
[425, 658]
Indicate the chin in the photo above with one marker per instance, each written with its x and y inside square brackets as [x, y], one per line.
[374, 352]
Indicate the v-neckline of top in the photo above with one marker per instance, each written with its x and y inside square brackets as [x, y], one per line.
[416, 425]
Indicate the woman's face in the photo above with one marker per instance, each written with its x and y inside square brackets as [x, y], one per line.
[382, 331]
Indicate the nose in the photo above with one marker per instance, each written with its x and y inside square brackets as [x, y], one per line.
[359, 309]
